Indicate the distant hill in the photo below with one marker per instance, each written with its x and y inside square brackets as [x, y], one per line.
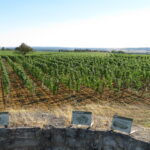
[126, 50]
[141, 50]
[98, 49]
[52, 48]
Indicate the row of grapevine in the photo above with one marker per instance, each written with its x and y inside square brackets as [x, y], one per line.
[51, 83]
[27, 82]
[5, 77]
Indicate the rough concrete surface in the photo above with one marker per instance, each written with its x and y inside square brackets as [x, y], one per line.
[67, 139]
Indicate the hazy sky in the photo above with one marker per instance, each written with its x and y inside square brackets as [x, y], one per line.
[75, 23]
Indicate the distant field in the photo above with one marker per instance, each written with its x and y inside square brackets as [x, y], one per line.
[45, 80]
[14, 53]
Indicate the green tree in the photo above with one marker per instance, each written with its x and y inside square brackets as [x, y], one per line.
[24, 49]
[3, 48]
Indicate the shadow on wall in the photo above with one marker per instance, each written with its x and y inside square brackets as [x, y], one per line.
[67, 139]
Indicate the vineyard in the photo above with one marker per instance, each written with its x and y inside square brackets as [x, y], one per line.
[59, 78]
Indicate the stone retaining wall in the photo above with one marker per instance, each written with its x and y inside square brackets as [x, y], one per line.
[67, 139]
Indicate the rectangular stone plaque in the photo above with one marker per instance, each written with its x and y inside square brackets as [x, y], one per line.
[81, 118]
[122, 124]
[4, 118]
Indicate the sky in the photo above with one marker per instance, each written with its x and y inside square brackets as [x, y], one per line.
[75, 23]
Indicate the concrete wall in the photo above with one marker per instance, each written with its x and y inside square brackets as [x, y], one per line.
[67, 139]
